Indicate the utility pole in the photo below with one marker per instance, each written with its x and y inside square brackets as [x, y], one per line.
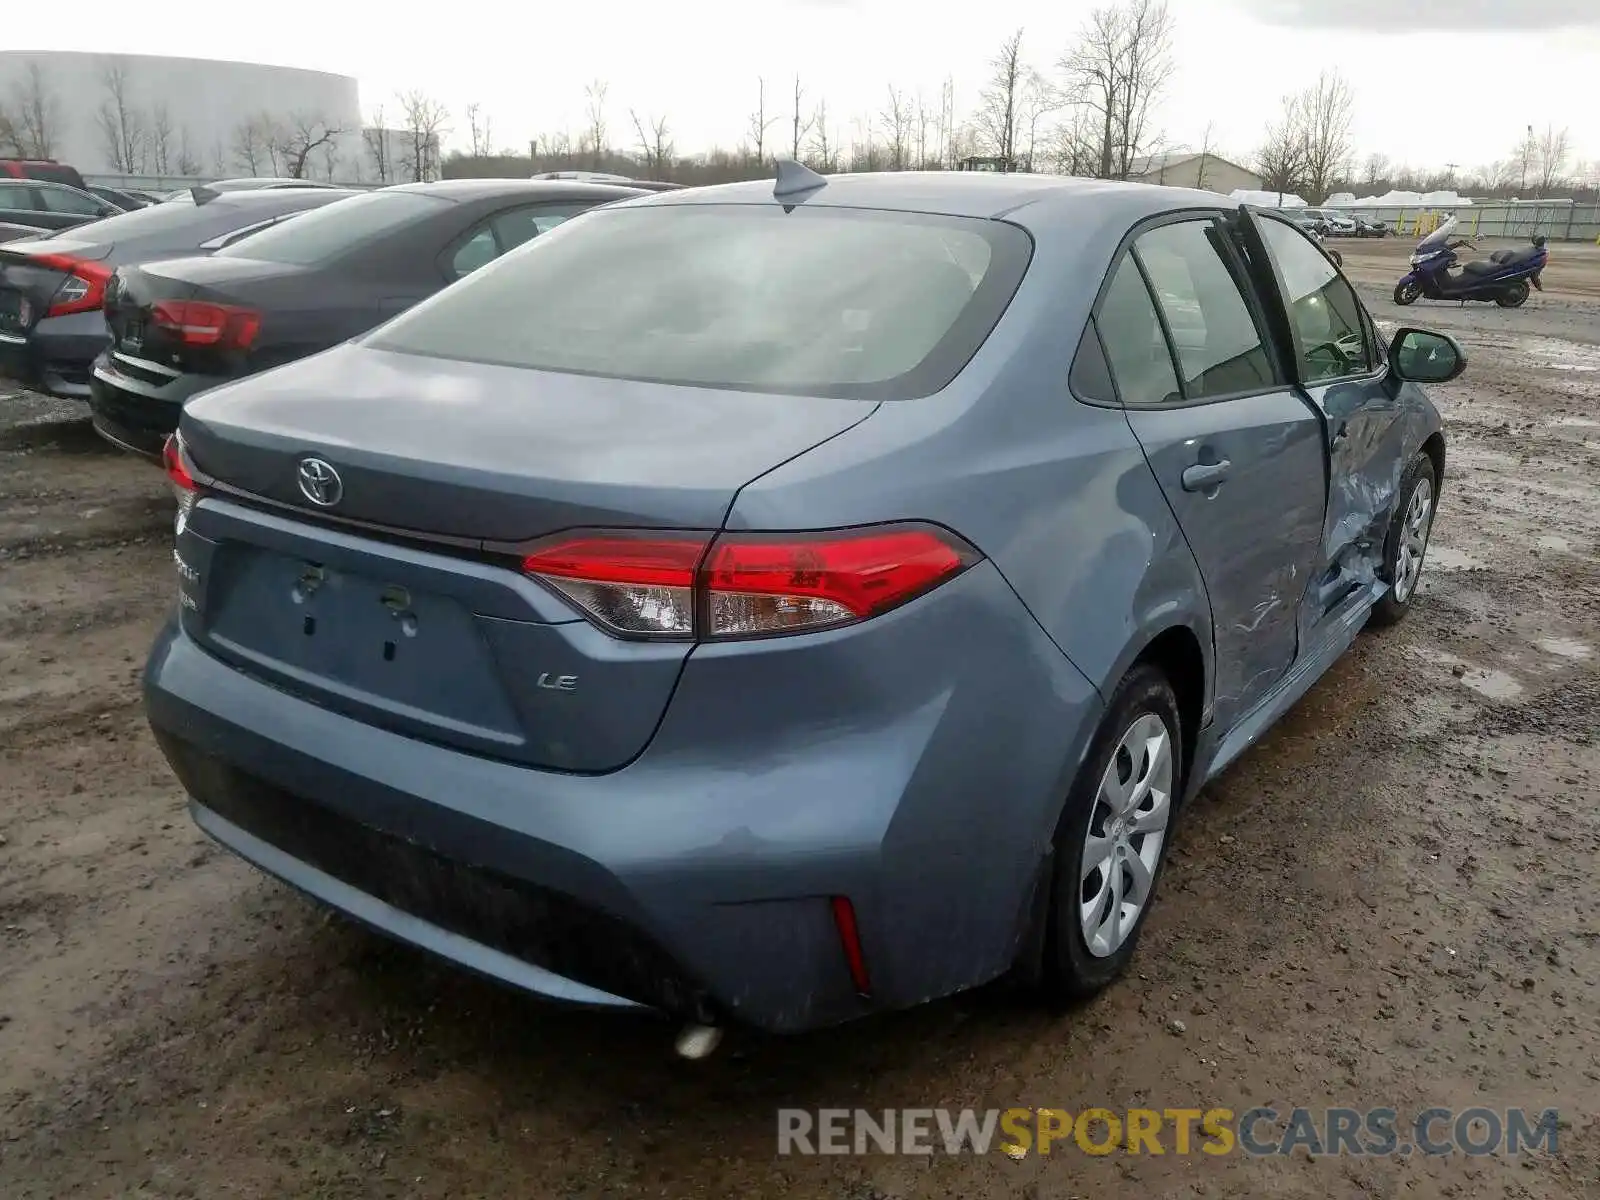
[1526, 154]
[1450, 172]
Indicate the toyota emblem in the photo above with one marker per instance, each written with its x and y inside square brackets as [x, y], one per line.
[320, 483]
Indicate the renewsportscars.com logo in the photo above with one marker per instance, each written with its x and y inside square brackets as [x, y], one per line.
[1381, 1132]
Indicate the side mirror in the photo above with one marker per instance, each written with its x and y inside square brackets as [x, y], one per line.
[1421, 356]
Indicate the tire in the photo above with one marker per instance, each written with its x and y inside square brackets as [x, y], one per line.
[1407, 293]
[1076, 964]
[1514, 296]
[1406, 547]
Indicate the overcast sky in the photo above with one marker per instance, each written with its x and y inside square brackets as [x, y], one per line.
[1421, 96]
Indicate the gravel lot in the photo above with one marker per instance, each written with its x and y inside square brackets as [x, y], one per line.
[1390, 902]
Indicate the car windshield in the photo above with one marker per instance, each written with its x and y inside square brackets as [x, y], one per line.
[1439, 236]
[337, 229]
[876, 305]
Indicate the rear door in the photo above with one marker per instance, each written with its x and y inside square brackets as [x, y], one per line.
[1341, 367]
[1237, 450]
[20, 202]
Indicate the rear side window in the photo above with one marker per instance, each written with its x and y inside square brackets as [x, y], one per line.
[816, 301]
[79, 204]
[1330, 338]
[338, 229]
[18, 196]
[1131, 333]
[1220, 351]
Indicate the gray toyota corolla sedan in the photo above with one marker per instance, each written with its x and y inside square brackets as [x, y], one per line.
[776, 603]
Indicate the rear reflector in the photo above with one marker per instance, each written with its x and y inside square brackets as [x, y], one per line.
[683, 585]
[201, 323]
[844, 919]
[84, 288]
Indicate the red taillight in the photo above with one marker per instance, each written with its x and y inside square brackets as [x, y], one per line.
[844, 919]
[202, 323]
[184, 488]
[84, 288]
[746, 584]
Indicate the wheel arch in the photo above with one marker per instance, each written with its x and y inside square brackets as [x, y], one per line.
[1433, 447]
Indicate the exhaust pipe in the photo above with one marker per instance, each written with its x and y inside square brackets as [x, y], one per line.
[698, 1041]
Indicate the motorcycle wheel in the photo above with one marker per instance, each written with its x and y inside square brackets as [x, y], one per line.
[1514, 296]
[1407, 293]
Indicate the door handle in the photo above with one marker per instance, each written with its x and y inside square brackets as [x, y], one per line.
[1204, 476]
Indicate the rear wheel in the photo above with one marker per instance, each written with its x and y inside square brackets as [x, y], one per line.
[1407, 293]
[1112, 837]
[1514, 296]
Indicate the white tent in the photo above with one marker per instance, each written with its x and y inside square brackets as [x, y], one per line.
[1410, 200]
[1266, 199]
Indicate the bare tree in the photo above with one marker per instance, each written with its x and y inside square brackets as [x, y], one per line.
[1555, 151]
[595, 113]
[1327, 109]
[1207, 146]
[799, 125]
[426, 124]
[1527, 157]
[655, 143]
[120, 123]
[1000, 103]
[898, 124]
[10, 135]
[865, 153]
[376, 139]
[1282, 156]
[1118, 69]
[188, 165]
[1040, 98]
[36, 113]
[947, 122]
[303, 133]
[924, 121]
[250, 145]
[824, 149]
[760, 123]
[479, 128]
[160, 138]
[1375, 170]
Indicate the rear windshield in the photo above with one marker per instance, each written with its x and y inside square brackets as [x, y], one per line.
[817, 301]
[339, 228]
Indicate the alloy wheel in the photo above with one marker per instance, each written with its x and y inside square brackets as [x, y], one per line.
[1414, 530]
[1122, 847]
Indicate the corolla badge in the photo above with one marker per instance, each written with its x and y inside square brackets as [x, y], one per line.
[320, 483]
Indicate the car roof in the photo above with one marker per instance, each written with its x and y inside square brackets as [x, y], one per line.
[555, 189]
[964, 194]
[44, 183]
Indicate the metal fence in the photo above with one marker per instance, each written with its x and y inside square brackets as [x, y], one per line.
[1558, 221]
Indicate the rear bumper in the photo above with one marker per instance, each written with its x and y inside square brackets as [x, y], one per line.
[56, 355]
[697, 879]
[136, 413]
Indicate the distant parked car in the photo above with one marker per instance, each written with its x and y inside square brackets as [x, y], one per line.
[181, 326]
[47, 169]
[1370, 227]
[125, 200]
[46, 205]
[252, 184]
[648, 185]
[1333, 223]
[777, 605]
[52, 285]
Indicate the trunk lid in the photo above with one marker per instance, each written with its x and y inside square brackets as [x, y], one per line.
[499, 454]
[438, 639]
[145, 320]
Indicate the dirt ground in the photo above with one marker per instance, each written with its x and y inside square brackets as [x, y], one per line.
[1391, 902]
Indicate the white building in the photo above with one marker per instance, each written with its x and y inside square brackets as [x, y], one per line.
[135, 115]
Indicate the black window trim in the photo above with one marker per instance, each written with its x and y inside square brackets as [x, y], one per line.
[1248, 288]
[1369, 327]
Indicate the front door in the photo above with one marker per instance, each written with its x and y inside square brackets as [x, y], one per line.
[1340, 366]
[1237, 450]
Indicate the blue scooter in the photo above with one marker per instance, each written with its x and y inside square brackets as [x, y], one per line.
[1504, 278]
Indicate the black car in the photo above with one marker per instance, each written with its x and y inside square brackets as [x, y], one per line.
[1369, 227]
[126, 201]
[46, 205]
[259, 183]
[182, 326]
[52, 284]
